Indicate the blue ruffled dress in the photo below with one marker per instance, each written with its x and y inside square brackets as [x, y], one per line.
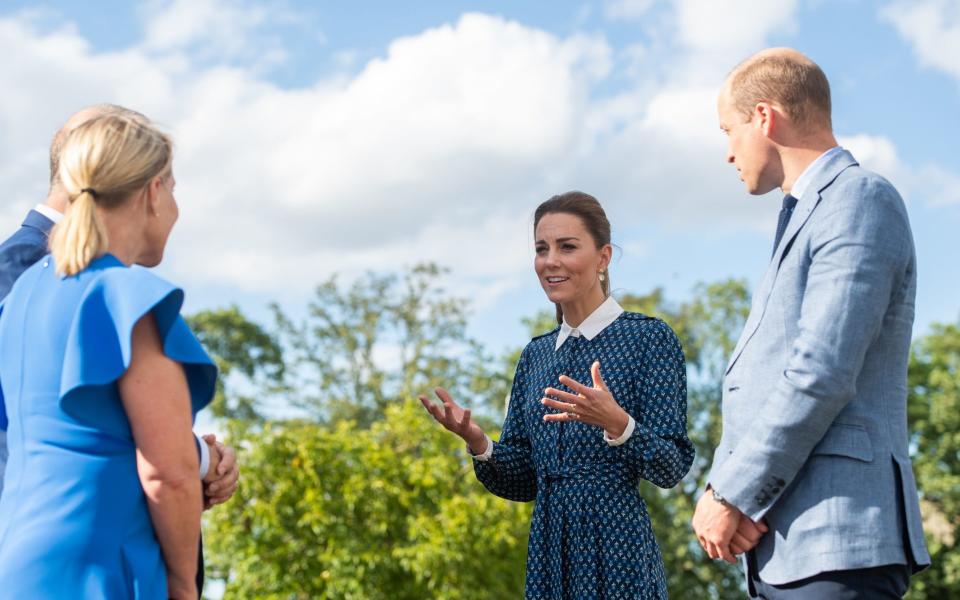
[74, 521]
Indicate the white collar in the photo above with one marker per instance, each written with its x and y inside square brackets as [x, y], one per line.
[808, 175]
[50, 213]
[599, 319]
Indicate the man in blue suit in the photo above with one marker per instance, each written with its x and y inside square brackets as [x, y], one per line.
[28, 244]
[812, 482]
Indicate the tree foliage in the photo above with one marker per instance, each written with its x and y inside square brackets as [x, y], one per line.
[390, 511]
[708, 326]
[934, 411]
[250, 360]
[362, 346]
[368, 498]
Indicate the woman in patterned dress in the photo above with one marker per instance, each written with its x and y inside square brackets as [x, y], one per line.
[577, 442]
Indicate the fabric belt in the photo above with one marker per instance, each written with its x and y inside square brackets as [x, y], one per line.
[599, 472]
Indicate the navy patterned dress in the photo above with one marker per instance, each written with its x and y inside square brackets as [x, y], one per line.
[591, 535]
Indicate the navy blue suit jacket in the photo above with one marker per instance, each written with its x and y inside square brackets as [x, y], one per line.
[22, 249]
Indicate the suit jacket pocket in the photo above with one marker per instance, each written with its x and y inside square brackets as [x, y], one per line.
[846, 439]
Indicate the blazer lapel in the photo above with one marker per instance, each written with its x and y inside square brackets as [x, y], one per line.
[811, 198]
[801, 214]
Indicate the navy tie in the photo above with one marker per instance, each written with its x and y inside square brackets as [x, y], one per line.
[788, 203]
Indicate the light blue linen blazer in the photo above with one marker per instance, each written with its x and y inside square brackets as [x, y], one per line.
[814, 398]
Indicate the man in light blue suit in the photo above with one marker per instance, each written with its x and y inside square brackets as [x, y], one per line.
[812, 482]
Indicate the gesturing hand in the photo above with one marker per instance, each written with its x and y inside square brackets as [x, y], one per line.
[456, 419]
[591, 405]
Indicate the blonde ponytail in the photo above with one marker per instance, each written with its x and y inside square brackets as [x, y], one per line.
[80, 236]
[102, 164]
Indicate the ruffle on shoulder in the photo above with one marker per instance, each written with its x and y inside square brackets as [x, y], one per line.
[99, 344]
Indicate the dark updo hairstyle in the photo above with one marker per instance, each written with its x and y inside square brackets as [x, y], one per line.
[586, 207]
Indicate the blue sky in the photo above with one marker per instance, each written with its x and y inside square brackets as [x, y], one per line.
[322, 137]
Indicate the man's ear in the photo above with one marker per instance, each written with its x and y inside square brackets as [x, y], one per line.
[765, 117]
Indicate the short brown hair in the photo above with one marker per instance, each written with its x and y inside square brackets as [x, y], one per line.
[798, 86]
[589, 211]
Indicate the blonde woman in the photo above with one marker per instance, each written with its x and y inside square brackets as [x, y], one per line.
[100, 380]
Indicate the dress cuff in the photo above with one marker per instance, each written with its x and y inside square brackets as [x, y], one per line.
[204, 451]
[627, 432]
[486, 454]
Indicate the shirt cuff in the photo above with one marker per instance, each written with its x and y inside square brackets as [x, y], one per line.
[204, 451]
[627, 432]
[486, 454]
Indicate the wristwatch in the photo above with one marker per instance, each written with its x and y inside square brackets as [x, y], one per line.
[718, 498]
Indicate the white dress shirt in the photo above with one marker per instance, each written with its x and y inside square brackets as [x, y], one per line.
[51, 213]
[599, 319]
[808, 175]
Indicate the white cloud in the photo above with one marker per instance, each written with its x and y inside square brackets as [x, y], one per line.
[207, 31]
[932, 27]
[439, 149]
[732, 25]
[697, 42]
[876, 153]
[627, 9]
[931, 183]
[439, 134]
[54, 74]
[422, 152]
[179, 24]
[937, 185]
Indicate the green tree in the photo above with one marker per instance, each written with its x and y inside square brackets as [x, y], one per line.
[376, 501]
[384, 337]
[708, 326]
[249, 358]
[390, 511]
[934, 412]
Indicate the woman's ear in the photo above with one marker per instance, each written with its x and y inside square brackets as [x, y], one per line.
[152, 194]
[606, 255]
